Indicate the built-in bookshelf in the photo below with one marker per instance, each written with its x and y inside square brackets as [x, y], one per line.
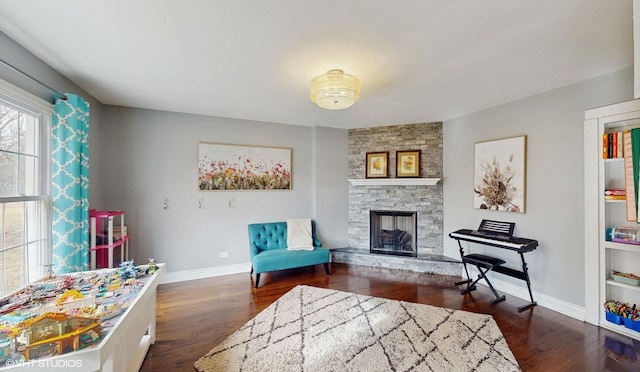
[611, 228]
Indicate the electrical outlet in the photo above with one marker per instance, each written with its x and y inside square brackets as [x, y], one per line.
[224, 254]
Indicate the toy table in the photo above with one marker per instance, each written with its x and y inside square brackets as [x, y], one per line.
[122, 349]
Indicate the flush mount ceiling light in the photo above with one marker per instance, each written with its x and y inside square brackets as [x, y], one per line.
[335, 90]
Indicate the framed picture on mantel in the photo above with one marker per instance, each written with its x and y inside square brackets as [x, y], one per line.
[408, 163]
[377, 164]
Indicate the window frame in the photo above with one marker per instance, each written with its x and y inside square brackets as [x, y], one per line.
[29, 103]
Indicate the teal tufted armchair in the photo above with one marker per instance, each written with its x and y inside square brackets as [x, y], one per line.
[268, 250]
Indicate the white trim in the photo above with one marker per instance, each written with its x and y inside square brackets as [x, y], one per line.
[521, 292]
[208, 272]
[636, 48]
[17, 94]
[394, 181]
[618, 109]
[17, 199]
[23, 101]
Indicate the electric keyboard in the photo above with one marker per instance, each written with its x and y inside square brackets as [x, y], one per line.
[495, 234]
[497, 240]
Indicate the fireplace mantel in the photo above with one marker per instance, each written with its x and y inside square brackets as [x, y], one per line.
[394, 181]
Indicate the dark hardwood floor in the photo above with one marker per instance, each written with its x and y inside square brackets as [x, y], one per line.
[194, 316]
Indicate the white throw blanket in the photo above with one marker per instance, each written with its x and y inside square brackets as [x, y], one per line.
[299, 234]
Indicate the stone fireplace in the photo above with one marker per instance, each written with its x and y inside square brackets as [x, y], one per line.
[393, 232]
[424, 201]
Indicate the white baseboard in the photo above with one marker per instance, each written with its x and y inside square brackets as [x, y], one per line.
[552, 303]
[181, 276]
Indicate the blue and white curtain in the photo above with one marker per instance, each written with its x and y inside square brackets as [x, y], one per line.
[70, 184]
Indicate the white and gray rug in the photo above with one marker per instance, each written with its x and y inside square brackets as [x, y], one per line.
[315, 329]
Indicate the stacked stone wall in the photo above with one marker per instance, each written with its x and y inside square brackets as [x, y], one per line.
[425, 200]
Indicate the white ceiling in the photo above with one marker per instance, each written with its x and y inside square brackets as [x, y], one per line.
[417, 60]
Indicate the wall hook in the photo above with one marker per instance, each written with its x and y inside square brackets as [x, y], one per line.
[200, 203]
[165, 203]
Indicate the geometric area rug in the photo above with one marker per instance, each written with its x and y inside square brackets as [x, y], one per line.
[317, 329]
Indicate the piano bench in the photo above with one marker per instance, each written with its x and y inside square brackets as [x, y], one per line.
[482, 260]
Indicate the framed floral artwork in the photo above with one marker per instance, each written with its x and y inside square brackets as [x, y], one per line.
[238, 167]
[408, 163]
[377, 164]
[499, 174]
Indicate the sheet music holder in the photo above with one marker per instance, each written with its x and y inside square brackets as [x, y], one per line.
[495, 234]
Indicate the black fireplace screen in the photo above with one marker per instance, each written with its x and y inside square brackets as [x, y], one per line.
[394, 232]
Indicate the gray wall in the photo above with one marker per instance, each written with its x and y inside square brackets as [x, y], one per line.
[331, 186]
[425, 201]
[17, 56]
[553, 123]
[152, 156]
[140, 157]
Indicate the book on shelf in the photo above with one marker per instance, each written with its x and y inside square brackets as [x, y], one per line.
[621, 144]
[615, 197]
[632, 214]
[615, 192]
[613, 145]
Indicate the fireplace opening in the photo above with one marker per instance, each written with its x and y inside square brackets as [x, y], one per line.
[394, 232]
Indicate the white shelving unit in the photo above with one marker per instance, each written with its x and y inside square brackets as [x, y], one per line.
[602, 256]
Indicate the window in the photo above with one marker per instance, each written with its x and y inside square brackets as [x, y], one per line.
[25, 246]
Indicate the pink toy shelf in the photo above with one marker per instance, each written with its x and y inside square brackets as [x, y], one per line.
[109, 241]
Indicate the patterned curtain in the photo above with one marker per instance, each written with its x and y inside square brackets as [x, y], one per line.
[70, 184]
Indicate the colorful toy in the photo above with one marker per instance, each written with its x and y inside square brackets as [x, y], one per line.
[64, 313]
[129, 270]
[54, 334]
[621, 309]
[152, 266]
[5, 347]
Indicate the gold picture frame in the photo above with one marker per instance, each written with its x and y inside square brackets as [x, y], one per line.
[377, 164]
[408, 163]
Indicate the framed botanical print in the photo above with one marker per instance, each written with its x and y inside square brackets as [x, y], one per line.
[408, 163]
[377, 164]
[499, 174]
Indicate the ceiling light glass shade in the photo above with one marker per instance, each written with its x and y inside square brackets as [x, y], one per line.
[335, 90]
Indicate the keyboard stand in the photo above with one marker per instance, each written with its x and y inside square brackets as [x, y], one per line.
[500, 235]
[487, 263]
